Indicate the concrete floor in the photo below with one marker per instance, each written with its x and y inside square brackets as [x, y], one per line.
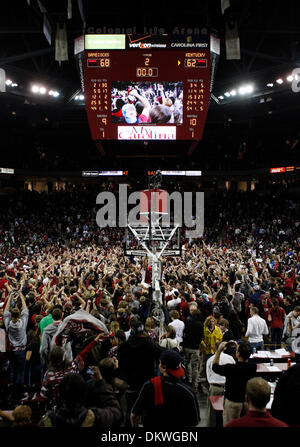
[202, 400]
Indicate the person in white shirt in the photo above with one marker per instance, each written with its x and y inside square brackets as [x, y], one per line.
[217, 382]
[172, 304]
[256, 329]
[291, 326]
[177, 324]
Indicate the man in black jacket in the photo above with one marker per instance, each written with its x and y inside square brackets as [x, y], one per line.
[166, 401]
[138, 362]
[192, 336]
[227, 333]
[285, 405]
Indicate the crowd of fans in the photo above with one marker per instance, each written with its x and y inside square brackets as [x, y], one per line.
[147, 103]
[80, 345]
[222, 147]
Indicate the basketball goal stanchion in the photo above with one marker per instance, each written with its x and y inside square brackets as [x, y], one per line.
[153, 240]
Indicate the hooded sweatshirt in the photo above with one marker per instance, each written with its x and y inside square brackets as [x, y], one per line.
[47, 336]
[137, 360]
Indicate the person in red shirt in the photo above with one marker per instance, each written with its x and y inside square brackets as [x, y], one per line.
[10, 272]
[183, 307]
[289, 280]
[58, 369]
[266, 305]
[276, 316]
[258, 393]
[3, 282]
[148, 275]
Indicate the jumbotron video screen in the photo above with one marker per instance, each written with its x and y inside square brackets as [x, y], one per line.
[154, 87]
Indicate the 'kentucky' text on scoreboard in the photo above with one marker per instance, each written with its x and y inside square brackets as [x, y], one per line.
[146, 87]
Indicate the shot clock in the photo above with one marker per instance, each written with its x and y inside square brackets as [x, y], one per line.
[152, 87]
[147, 72]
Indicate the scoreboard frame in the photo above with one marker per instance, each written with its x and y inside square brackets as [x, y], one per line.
[145, 63]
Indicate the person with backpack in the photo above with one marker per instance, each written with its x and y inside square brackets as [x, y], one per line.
[169, 340]
[166, 401]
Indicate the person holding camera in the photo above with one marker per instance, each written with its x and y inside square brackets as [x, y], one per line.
[15, 322]
[237, 376]
[215, 381]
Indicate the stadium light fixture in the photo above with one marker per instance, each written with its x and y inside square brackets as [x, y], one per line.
[244, 89]
[53, 93]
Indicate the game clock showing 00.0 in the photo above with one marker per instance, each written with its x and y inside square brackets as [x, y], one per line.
[146, 87]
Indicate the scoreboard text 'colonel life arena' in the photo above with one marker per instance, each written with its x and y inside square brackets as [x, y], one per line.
[152, 87]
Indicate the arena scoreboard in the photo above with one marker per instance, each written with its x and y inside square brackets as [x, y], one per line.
[152, 87]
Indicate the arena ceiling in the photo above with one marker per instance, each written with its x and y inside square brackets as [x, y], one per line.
[269, 35]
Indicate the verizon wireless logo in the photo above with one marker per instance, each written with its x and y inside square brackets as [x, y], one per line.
[140, 43]
[144, 45]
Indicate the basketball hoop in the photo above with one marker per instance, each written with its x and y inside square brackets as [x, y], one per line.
[152, 239]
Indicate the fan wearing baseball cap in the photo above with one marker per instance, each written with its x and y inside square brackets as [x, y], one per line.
[157, 403]
[171, 362]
